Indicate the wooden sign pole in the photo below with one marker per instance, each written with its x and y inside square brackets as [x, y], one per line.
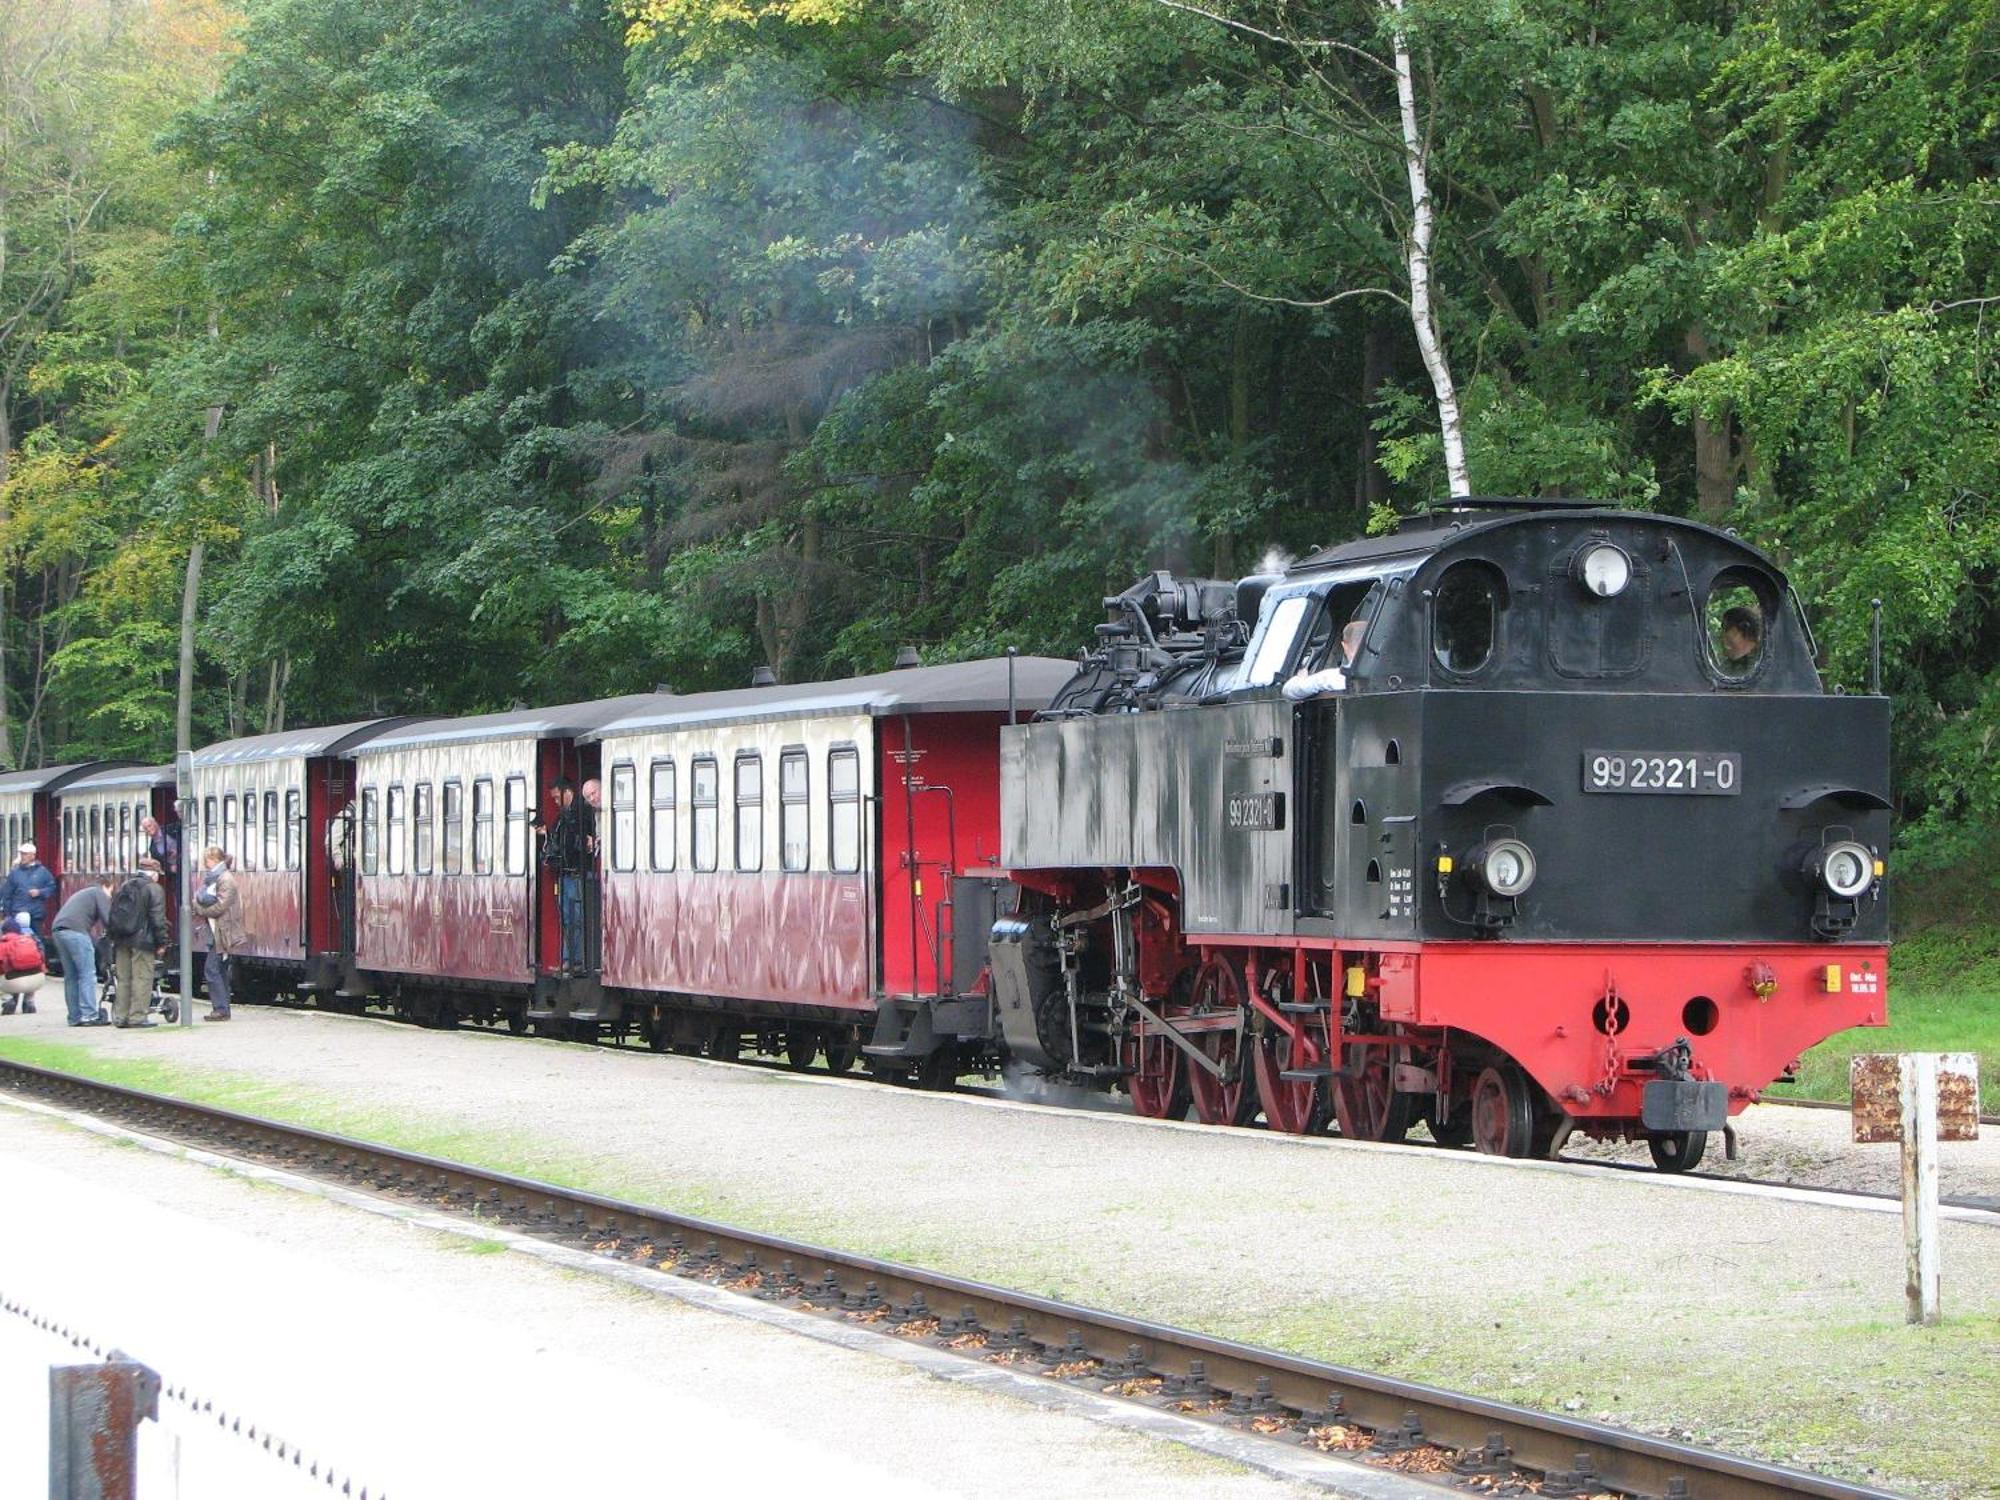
[1918, 1082]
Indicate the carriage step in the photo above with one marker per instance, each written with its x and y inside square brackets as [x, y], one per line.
[1304, 1007]
[1306, 1075]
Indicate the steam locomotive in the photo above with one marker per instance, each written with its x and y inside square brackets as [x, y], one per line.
[1531, 817]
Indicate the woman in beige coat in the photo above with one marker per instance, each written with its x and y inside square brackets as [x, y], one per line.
[217, 900]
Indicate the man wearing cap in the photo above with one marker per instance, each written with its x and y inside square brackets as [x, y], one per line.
[28, 887]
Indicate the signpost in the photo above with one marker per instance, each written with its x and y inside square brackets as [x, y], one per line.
[1917, 1099]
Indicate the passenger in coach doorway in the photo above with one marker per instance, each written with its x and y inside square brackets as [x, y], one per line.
[567, 851]
[163, 846]
[217, 901]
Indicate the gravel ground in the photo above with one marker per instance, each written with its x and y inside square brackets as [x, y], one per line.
[403, 1364]
[1751, 1322]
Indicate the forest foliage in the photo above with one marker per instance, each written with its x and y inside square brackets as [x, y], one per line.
[506, 350]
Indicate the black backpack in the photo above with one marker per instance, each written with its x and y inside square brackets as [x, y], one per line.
[128, 911]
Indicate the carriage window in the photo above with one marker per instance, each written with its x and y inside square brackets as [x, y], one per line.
[396, 831]
[704, 816]
[624, 816]
[843, 809]
[229, 840]
[1465, 616]
[453, 810]
[749, 812]
[211, 831]
[1736, 624]
[292, 828]
[663, 814]
[69, 838]
[517, 825]
[96, 840]
[423, 824]
[1275, 634]
[124, 838]
[794, 812]
[271, 830]
[482, 826]
[249, 854]
[370, 832]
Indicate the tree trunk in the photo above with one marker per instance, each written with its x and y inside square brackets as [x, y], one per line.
[1417, 253]
[1715, 458]
[6, 572]
[1371, 485]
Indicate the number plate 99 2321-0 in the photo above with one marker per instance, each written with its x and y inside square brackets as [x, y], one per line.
[1696, 773]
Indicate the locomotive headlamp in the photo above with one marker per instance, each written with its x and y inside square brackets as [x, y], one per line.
[1846, 869]
[1505, 867]
[1603, 568]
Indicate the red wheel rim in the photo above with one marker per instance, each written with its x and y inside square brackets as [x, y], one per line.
[1500, 1117]
[1217, 988]
[1156, 1074]
[1365, 1100]
[1289, 1106]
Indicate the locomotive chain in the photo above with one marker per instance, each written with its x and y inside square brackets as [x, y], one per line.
[1284, 1397]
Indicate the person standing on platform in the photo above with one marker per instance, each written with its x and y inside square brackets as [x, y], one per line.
[218, 902]
[138, 931]
[74, 932]
[28, 887]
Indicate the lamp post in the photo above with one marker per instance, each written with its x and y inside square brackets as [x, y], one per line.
[184, 794]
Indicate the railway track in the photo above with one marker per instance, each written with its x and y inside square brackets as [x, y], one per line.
[1282, 1398]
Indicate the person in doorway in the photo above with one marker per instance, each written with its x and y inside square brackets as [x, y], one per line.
[593, 803]
[21, 967]
[567, 851]
[29, 887]
[163, 847]
[217, 901]
[137, 928]
[74, 932]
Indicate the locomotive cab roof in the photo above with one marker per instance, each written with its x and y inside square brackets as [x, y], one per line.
[1528, 594]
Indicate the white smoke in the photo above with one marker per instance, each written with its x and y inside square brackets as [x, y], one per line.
[1275, 560]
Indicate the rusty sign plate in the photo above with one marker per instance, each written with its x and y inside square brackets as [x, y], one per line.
[1875, 1081]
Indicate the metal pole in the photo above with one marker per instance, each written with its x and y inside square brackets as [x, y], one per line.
[184, 791]
[1012, 652]
[94, 1417]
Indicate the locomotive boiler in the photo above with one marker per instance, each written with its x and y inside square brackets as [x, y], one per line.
[1531, 817]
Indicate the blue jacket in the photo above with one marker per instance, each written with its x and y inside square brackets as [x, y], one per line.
[18, 891]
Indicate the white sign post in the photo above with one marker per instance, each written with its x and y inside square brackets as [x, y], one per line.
[1917, 1099]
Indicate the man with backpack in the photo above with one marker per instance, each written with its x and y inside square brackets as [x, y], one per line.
[73, 933]
[137, 927]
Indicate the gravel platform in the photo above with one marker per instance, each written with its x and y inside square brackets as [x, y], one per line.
[1756, 1323]
[415, 1364]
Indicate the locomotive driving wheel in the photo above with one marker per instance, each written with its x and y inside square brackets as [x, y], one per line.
[1224, 1100]
[1155, 1080]
[1503, 1112]
[1295, 1106]
[1365, 1101]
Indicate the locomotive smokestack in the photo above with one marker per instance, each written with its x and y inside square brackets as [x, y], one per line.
[763, 677]
[906, 656]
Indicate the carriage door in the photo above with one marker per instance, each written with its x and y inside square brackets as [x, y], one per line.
[555, 760]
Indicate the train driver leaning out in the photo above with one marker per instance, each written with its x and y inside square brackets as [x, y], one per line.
[1330, 679]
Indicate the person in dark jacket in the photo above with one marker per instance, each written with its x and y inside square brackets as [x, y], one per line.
[29, 887]
[567, 851]
[74, 932]
[137, 943]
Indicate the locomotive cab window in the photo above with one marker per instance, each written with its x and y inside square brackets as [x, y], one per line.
[1465, 617]
[1737, 620]
[624, 816]
[1277, 631]
[749, 811]
[663, 790]
[704, 812]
